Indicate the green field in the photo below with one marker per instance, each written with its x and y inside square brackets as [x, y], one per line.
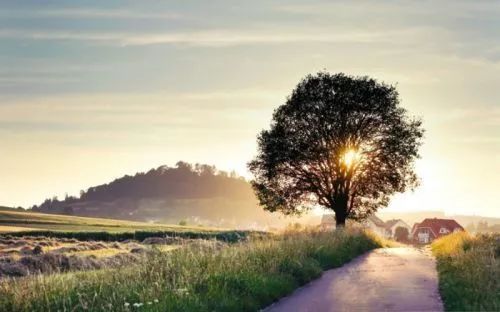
[17, 223]
[73, 223]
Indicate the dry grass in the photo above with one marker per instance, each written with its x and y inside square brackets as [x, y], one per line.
[9, 229]
[34, 255]
[100, 253]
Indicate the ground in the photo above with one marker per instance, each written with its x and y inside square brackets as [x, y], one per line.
[386, 279]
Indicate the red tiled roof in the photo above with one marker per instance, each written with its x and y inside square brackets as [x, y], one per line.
[436, 224]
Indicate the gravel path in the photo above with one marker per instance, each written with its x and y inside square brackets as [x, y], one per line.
[387, 279]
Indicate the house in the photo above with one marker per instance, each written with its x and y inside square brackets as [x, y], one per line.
[328, 222]
[393, 224]
[372, 223]
[431, 229]
[377, 226]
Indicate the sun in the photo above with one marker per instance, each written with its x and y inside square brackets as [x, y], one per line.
[350, 157]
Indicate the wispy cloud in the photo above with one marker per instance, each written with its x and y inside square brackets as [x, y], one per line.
[89, 13]
[5, 81]
[382, 9]
[222, 37]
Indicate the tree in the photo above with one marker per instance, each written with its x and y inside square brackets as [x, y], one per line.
[340, 142]
[401, 234]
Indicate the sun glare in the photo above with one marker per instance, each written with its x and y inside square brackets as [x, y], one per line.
[351, 157]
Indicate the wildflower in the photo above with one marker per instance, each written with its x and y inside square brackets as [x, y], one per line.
[181, 291]
[138, 304]
[126, 304]
[156, 300]
[149, 302]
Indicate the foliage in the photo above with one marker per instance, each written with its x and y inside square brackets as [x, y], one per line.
[243, 277]
[469, 271]
[340, 141]
[152, 194]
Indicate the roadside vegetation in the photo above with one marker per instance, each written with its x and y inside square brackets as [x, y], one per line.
[212, 276]
[469, 271]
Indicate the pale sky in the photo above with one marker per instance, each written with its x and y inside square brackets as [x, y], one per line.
[93, 90]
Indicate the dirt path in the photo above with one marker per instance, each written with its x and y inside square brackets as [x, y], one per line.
[388, 279]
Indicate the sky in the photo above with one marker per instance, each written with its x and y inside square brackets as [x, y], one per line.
[93, 90]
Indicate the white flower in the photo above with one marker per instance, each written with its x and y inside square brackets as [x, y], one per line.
[181, 291]
[126, 304]
[149, 302]
[156, 300]
[138, 304]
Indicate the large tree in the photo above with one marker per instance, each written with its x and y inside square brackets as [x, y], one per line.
[340, 142]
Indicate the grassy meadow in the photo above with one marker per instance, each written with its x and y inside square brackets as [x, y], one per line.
[42, 221]
[19, 224]
[469, 271]
[244, 276]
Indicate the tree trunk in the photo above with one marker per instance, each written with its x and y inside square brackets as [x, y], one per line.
[340, 208]
[340, 220]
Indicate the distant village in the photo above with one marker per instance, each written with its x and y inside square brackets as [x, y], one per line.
[420, 233]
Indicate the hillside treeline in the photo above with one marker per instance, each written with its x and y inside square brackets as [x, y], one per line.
[197, 193]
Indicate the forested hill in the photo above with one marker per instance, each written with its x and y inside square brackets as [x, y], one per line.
[197, 194]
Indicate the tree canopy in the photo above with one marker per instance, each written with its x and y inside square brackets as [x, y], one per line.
[340, 142]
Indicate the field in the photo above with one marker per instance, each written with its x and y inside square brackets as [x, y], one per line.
[8, 229]
[205, 275]
[469, 271]
[43, 221]
[61, 226]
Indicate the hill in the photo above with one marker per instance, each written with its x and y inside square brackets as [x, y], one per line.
[198, 194]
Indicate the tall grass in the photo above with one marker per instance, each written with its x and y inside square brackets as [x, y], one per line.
[469, 271]
[242, 277]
